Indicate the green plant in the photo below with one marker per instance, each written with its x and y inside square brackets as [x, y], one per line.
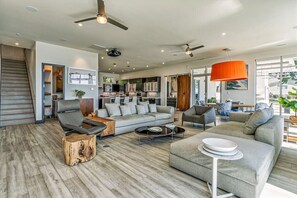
[290, 102]
[212, 100]
[79, 93]
[228, 100]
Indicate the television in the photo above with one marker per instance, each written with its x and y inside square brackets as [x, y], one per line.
[115, 87]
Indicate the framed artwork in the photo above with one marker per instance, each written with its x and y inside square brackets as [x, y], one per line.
[78, 76]
[238, 84]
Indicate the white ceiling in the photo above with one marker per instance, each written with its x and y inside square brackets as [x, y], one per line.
[250, 25]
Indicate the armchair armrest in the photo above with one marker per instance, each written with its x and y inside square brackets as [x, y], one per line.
[209, 116]
[165, 109]
[238, 117]
[94, 123]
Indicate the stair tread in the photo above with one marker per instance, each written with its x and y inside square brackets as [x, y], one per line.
[17, 122]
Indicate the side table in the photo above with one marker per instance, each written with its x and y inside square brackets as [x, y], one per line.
[215, 159]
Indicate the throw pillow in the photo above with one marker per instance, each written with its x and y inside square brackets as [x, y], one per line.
[125, 110]
[140, 109]
[113, 109]
[153, 108]
[132, 106]
[258, 118]
[145, 104]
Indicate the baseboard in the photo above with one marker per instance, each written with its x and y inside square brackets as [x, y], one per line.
[39, 122]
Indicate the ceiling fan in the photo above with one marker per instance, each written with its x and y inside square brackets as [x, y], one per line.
[188, 50]
[102, 18]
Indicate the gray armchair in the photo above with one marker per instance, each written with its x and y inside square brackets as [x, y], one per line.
[200, 114]
[72, 120]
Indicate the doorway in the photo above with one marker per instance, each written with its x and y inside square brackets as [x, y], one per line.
[53, 88]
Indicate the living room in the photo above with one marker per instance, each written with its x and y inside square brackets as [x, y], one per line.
[124, 98]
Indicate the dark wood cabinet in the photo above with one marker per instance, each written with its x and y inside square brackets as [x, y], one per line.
[87, 106]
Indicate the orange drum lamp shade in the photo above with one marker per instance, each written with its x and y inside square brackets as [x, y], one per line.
[228, 71]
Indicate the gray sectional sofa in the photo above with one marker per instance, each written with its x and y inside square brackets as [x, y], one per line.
[127, 123]
[245, 177]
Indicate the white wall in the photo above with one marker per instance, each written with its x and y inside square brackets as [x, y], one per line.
[53, 54]
[245, 96]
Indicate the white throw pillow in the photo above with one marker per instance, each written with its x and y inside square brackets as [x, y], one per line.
[132, 106]
[125, 110]
[153, 108]
[145, 104]
[140, 109]
[113, 109]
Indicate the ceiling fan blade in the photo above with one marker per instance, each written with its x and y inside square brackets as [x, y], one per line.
[191, 54]
[113, 22]
[198, 47]
[101, 7]
[84, 20]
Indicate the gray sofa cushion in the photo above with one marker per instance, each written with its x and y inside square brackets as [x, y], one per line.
[145, 104]
[231, 128]
[125, 110]
[257, 158]
[160, 116]
[113, 109]
[140, 109]
[133, 119]
[152, 108]
[258, 118]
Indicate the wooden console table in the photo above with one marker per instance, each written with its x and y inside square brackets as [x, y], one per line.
[110, 125]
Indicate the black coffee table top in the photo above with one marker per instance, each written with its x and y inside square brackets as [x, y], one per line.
[144, 131]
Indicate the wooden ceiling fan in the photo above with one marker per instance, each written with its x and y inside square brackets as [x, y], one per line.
[102, 18]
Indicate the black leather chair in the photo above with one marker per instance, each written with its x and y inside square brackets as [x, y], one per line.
[71, 119]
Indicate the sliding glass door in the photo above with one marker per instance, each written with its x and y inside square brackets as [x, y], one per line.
[276, 77]
[204, 90]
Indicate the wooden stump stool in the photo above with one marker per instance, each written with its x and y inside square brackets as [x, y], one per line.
[79, 148]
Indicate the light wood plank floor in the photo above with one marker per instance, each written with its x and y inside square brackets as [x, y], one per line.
[31, 165]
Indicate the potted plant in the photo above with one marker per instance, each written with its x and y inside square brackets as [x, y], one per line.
[290, 102]
[79, 93]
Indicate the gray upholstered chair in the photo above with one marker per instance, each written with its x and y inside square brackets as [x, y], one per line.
[71, 119]
[200, 114]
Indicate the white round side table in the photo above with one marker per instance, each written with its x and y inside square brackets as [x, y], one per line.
[215, 159]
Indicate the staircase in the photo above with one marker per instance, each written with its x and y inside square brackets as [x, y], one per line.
[16, 101]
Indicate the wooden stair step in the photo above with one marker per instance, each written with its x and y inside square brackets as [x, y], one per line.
[16, 116]
[5, 78]
[17, 122]
[15, 81]
[16, 106]
[27, 93]
[15, 89]
[15, 85]
[14, 75]
[4, 72]
[16, 111]
[12, 61]
[14, 68]
[16, 101]
[16, 97]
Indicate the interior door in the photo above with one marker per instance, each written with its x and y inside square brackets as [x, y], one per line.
[183, 92]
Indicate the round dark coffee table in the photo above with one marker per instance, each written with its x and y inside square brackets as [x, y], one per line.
[146, 133]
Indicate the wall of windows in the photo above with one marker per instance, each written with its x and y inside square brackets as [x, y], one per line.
[276, 77]
[203, 89]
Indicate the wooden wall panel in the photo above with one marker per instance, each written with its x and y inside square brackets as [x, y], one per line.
[183, 93]
[13, 53]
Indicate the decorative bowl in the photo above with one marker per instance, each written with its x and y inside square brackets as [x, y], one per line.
[219, 144]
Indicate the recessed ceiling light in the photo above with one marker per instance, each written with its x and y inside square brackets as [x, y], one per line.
[17, 44]
[128, 62]
[32, 9]
[162, 50]
[133, 68]
[224, 34]
[109, 69]
[163, 63]
[147, 66]
[107, 50]
[114, 65]
[80, 24]
[102, 57]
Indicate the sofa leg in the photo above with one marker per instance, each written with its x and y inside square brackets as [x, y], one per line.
[203, 127]
[215, 123]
